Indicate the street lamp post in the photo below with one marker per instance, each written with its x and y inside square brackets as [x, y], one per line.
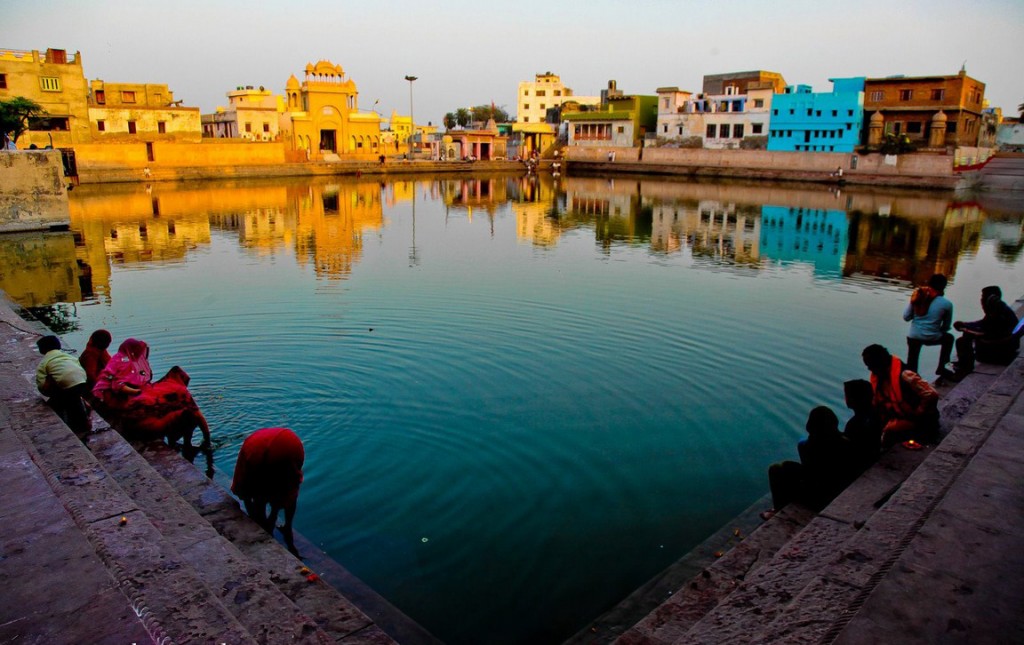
[412, 121]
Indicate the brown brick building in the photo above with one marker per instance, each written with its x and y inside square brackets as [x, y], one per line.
[908, 105]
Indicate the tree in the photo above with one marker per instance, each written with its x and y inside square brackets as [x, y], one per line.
[483, 112]
[15, 113]
[463, 117]
[450, 120]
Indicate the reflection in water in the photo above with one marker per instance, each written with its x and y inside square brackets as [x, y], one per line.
[561, 382]
[898, 237]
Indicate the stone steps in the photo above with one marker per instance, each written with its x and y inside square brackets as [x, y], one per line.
[244, 587]
[182, 576]
[816, 579]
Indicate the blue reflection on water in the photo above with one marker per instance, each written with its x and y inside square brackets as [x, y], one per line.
[515, 417]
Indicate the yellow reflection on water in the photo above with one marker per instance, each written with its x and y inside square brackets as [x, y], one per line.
[902, 236]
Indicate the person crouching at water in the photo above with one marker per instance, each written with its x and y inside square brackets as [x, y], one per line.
[60, 377]
[269, 472]
[142, 409]
[907, 405]
[95, 356]
[827, 465]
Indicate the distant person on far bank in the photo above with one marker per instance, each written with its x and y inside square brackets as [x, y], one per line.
[906, 404]
[930, 315]
[60, 377]
[989, 340]
[269, 473]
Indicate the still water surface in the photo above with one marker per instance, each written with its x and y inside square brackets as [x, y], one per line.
[520, 399]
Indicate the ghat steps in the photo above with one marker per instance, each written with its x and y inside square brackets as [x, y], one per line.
[109, 543]
[802, 578]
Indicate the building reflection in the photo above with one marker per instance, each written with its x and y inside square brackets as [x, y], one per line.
[39, 269]
[899, 236]
[893, 236]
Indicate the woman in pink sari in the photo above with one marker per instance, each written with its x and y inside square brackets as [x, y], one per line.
[141, 408]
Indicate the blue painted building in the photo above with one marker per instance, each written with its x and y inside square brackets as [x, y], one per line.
[806, 121]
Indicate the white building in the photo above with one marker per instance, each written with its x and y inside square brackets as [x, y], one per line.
[721, 120]
[546, 91]
[252, 114]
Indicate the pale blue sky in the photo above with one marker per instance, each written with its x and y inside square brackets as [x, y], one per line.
[468, 53]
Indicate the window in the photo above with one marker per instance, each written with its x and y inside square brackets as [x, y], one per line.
[664, 128]
[622, 129]
[938, 95]
[161, 127]
[558, 92]
[131, 127]
[266, 128]
[791, 111]
[757, 128]
[248, 127]
[127, 96]
[835, 112]
[3, 81]
[906, 95]
[775, 113]
[541, 92]
[526, 106]
[951, 127]
[759, 103]
[101, 97]
[877, 95]
[49, 83]
[914, 127]
[526, 119]
[817, 113]
[543, 106]
[101, 126]
[849, 113]
[737, 131]
[526, 92]
[680, 130]
[810, 111]
[723, 131]
[711, 131]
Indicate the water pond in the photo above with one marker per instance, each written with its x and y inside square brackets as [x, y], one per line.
[520, 397]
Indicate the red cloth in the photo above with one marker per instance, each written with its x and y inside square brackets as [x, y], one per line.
[163, 409]
[93, 360]
[269, 467]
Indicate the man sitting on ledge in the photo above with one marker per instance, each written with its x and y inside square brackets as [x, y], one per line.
[989, 340]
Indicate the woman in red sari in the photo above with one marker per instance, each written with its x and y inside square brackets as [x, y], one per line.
[269, 472]
[143, 409]
[95, 355]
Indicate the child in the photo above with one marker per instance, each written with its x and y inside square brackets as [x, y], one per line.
[61, 378]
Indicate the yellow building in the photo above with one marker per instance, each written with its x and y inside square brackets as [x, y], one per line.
[56, 82]
[322, 116]
[138, 112]
[253, 114]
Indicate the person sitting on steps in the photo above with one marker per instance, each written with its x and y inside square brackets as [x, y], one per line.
[827, 465]
[930, 315]
[993, 339]
[907, 405]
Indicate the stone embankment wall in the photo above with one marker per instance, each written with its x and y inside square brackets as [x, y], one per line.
[919, 169]
[33, 195]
